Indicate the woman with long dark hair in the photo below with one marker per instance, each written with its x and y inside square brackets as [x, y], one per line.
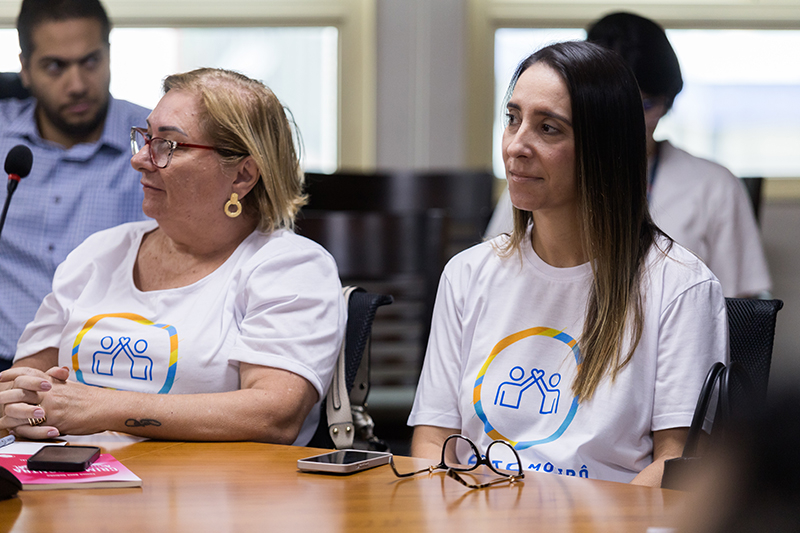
[584, 336]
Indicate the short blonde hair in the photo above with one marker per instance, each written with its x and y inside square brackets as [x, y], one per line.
[244, 117]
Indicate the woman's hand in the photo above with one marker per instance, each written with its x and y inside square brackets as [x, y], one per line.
[23, 400]
[271, 406]
[67, 406]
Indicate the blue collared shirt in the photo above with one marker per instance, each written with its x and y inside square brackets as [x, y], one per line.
[69, 194]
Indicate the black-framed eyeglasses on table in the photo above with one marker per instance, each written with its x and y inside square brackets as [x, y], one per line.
[454, 469]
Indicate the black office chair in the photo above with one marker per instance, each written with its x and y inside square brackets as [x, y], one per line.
[720, 385]
[751, 334]
[356, 426]
[11, 86]
[741, 387]
[391, 233]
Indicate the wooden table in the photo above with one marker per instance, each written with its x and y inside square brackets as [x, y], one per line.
[257, 487]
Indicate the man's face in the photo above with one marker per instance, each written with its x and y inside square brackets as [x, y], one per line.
[68, 73]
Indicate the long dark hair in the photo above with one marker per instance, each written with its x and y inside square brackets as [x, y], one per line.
[611, 168]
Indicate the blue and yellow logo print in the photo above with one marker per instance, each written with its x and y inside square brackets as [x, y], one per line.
[111, 350]
[510, 393]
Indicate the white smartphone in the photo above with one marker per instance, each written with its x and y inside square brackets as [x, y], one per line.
[343, 461]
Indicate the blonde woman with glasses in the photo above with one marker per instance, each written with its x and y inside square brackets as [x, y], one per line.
[213, 321]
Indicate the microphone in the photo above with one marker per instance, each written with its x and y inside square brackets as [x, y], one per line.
[18, 165]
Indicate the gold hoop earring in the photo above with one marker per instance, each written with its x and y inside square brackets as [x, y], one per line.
[235, 204]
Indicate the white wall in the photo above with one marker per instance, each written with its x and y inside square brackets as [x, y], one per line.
[780, 227]
[421, 84]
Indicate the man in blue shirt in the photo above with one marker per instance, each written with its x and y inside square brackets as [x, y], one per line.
[81, 180]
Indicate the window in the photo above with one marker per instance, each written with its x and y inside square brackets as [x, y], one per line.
[739, 105]
[298, 63]
[9, 51]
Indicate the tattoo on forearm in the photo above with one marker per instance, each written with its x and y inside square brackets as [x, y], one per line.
[133, 423]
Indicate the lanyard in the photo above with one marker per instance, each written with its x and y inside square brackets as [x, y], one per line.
[651, 178]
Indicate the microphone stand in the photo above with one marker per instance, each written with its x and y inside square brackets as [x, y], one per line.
[13, 181]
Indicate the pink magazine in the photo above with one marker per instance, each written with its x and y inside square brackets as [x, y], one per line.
[106, 472]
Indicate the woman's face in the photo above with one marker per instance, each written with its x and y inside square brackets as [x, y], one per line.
[539, 144]
[194, 187]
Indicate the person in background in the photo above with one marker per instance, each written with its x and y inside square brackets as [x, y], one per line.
[583, 337]
[214, 321]
[700, 204]
[81, 181]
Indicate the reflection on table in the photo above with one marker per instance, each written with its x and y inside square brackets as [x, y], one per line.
[251, 486]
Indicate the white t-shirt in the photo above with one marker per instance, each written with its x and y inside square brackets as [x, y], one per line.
[705, 208]
[502, 357]
[276, 302]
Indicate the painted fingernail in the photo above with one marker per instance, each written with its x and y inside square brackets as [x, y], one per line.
[46, 385]
[38, 413]
[52, 433]
[11, 432]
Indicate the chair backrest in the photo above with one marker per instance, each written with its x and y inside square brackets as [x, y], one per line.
[724, 381]
[391, 233]
[751, 333]
[11, 86]
[742, 384]
[361, 309]
[463, 198]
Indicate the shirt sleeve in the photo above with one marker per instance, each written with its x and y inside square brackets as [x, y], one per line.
[436, 401]
[693, 336]
[294, 315]
[736, 254]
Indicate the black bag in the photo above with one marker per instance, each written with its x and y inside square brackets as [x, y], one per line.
[738, 390]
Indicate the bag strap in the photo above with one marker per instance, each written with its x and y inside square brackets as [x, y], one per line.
[340, 419]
